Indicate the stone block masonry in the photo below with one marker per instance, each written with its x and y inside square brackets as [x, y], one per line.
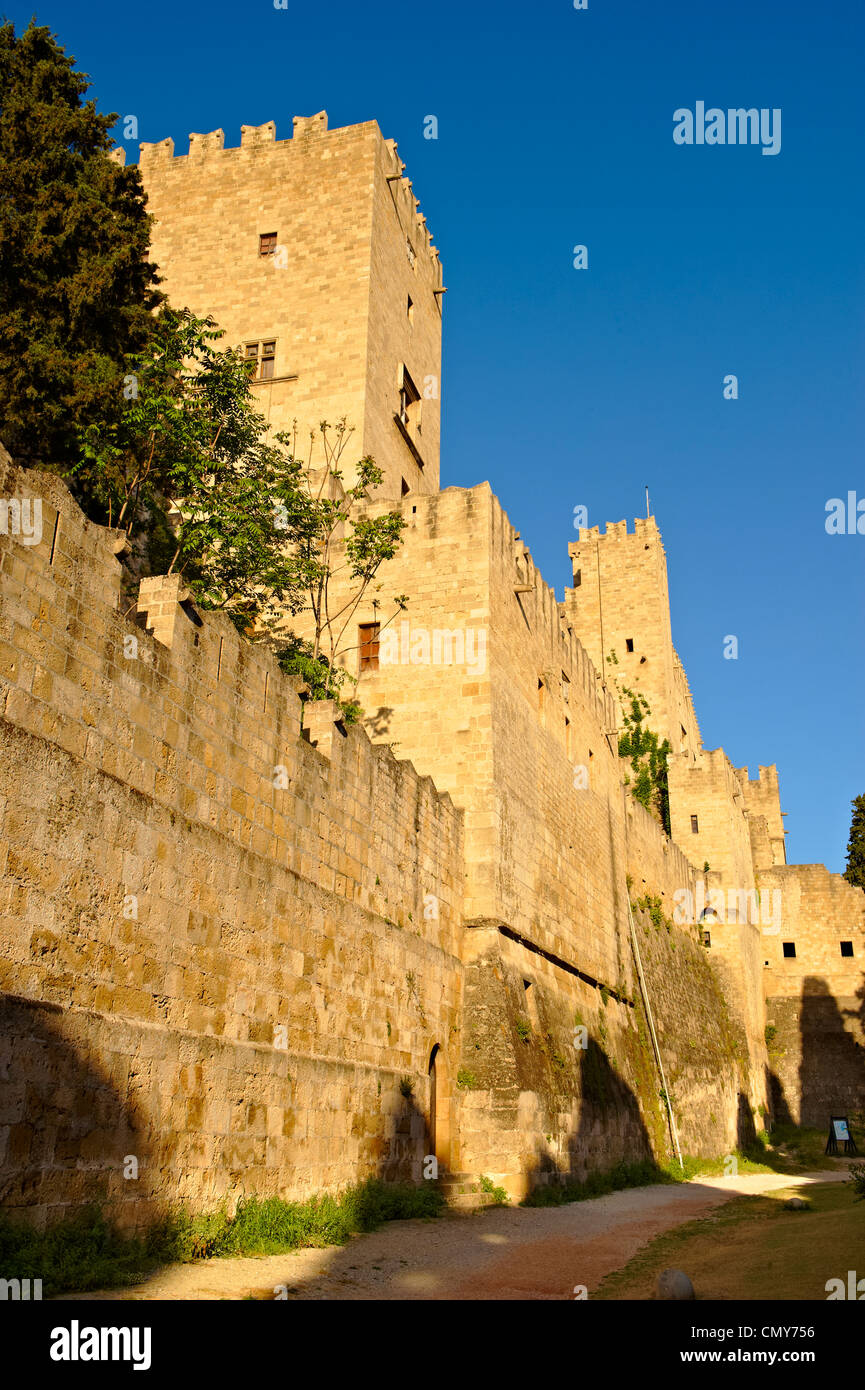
[217, 956]
[245, 950]
[312, 255]
[814, 980]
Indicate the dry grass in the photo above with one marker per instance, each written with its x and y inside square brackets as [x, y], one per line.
[753, 1248]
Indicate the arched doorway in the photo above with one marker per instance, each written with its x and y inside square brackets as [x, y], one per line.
[439, 1109]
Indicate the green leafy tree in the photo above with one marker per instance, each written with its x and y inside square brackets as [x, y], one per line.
[191, 473]
[342, 546]
[76, 289]
[190, 462]
[855, 871]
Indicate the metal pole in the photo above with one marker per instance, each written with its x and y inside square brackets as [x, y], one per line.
[645, 993]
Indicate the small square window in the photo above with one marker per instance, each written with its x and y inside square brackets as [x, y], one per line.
[846, 948]
[789, 948]
[695, 825]
[267, 244]
[367, 639]
[629, 644]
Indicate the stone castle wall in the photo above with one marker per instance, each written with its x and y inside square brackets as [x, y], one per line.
[232, 941]
[525, 740]
[224, 978]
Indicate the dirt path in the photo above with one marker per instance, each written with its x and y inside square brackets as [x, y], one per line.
[498, 1253]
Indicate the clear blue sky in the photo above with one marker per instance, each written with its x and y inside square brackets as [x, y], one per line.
[566, 387]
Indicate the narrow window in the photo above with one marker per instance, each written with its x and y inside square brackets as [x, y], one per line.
[568, 738]
[541, 699]
[267, 244]
[707, 938]
[846, 948]
[409, 403]
[409, 309]
[566, 687]
[629, 644]
[789, 950]
[268, 359]
[367, 640]
[405, 488]
[578, 579]
[695, 825]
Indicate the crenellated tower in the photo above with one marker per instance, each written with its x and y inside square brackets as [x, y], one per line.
[312, 255]
[619, 608]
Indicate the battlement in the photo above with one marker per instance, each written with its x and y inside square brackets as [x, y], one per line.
[645, 527]
[260, 142]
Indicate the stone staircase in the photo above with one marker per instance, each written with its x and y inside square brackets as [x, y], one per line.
[462, 1191]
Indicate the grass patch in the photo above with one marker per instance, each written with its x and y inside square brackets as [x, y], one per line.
[787, 1150]
[88, 1252]
[792, 1149]
[753, 1248]
[599, 1184]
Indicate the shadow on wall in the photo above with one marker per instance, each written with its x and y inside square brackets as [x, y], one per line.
[831, 1071]
[378, 725]
[70, 1134]
[779, 1105]
[611, 1129]
[832, 1064]
[73, 1140]
[746, 1130]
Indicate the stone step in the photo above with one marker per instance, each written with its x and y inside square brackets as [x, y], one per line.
[463, 1190]
[469, 1201]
